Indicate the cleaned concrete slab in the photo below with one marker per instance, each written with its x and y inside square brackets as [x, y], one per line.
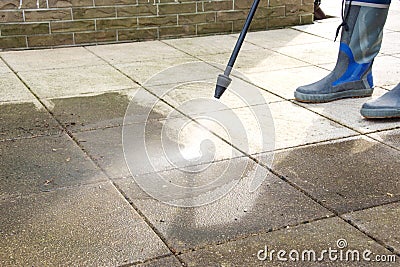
[384, 75]
[282, 37]
[392, 23]
[82, 226]
[391, 137]
[43, 164]
[136, 52]
[315, 53]
[18, 120]
[12, 89]
[153, 148]
[391, 40]
[287, 124]
[3, 67]
[296, 126]
[257, 60]
[346, 175]
[35, 60]
[315, 236]
[141, 71]
[381, 222]
[284, 82]
[208, 45]
[324, 28]
[239, 94]
[239, 213]
[347, 112]
[76, 81]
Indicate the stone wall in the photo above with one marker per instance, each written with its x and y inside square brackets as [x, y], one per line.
[52, 23]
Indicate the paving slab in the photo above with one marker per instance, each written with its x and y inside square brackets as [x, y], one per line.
[315, 236]
[382, 223]
[315, 53]
[390, 43]
[284, 82]
[103, 110]
[34, 60]
[12, 89]
[208, 45]
[152, 150]
[347, 113]
[83, 226]
[163, 262]
[324, 28]
[3, 67]
[239, 213]
[42, 164]
[258, 60]
[241, 93]
[136, 52]
[296, 126]
[18, 120]
[65, 82]
[282, 37]
[345, 175]
[141, 71]
[384, 75]
[391, 137]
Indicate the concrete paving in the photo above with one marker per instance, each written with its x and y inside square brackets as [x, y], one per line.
[69, 198]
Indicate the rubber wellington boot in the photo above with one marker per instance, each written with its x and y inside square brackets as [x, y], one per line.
[386, 106]
[361, 39]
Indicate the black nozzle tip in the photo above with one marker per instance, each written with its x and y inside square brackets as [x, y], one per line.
[222, 83]
[219, 91]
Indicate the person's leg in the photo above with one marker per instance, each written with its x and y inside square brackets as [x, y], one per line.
[387, 106]
[361, 40]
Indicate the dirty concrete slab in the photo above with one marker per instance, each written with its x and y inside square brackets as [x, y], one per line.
[135, 52]
[310, 237]
[88, 112]
[382, 223]
[238, 213]
[170, 261]
[391, 137]
[44, 59]
[75, 81]
[19, 120]
[12, 89]
[41, 164]
[90, 225]
[347, 113]
[345, 175]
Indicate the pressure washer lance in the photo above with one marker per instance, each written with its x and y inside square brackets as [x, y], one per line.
[223, 80]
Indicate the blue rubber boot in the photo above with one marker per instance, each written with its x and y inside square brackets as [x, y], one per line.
[386, 106]
[361, 39]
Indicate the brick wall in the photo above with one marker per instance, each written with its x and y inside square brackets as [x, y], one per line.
[51, 23]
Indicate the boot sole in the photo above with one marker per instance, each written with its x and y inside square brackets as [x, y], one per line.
[380, 113]
[323, 98]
